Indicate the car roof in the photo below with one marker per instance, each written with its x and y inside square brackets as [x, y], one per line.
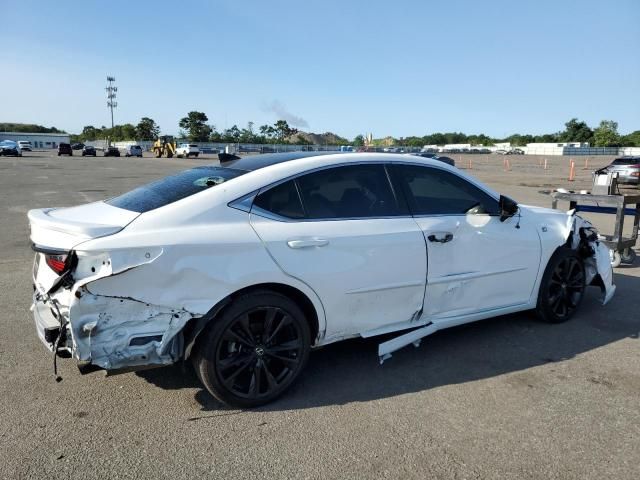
[255, 162]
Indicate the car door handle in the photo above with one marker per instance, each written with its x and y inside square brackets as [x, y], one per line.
[308, 242]
[440, 237]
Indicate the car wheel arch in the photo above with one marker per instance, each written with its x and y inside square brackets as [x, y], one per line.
[193, 330]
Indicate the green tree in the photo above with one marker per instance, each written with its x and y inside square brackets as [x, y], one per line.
[90, 133]
[606, 135]
[147, 129]
[576, 131]
[247, 135]
[631, 140]
[282, 130]
[196, 127]
[358, 141]
[232, 134]
[215, 136]
[27, 128]
[268, 133]
[128, 132]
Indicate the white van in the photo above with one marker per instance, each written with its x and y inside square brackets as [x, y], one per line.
[25, 145]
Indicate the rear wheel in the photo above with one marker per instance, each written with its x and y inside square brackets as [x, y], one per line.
[254, 351]
[562, 287]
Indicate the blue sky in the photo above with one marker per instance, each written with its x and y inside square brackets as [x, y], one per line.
[391, 68]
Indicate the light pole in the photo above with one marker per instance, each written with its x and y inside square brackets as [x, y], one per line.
[111, 96]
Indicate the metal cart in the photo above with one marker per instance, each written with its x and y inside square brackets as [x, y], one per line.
[621, 247]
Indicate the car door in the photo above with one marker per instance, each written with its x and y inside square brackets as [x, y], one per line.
[476, 262]
[342, 231]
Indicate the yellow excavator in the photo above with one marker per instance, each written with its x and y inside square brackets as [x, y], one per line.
[164, 146]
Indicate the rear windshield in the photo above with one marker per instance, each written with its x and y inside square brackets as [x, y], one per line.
[171, 189]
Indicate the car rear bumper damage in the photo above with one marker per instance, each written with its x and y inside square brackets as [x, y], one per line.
[109, 332]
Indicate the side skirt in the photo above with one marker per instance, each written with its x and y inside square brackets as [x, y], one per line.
[414, 337]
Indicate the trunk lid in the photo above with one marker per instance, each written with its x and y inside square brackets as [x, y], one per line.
[64, 228]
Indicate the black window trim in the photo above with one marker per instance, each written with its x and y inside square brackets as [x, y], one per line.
[400, 201]
[242, 203]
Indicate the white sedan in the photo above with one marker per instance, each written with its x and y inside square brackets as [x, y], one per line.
[243, 268]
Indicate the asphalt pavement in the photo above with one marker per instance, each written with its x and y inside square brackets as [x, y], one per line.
[508, 397]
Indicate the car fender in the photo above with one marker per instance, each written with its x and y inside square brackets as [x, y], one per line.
[558, 229]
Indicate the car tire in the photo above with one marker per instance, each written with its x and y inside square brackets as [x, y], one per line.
[254, 351]
[196, 155]
[628, 256]
[562, 287]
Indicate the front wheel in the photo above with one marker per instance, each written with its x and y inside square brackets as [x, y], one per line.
[562, 287]
[254, 351]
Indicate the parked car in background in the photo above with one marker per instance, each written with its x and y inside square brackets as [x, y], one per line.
[501, 151]
[10, 148]
[88, 151]
[25, 145]
[133, 151]
[65, 149]
[515, 151]
[111, 151]
[260, 260]
[187, 150]
[627, 168]
[77, 146]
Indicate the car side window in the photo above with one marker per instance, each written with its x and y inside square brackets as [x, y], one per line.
[282, 200]
[352, 191]
[433, 191]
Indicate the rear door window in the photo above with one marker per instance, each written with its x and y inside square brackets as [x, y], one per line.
[173, 188]
[353, 191]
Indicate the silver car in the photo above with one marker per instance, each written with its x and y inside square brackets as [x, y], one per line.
[628, 169]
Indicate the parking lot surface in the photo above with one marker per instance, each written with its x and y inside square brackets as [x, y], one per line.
[507, 397]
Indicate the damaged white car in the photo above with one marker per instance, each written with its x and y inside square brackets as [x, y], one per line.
[243, 268]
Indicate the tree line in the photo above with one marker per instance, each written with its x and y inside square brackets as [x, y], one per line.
[27, 128]
[604, 135]
[195, 127]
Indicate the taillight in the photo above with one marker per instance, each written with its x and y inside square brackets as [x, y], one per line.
[635, 174]
[58, 263]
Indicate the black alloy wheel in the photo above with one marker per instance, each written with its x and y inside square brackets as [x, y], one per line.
[254, 352]
[562, 287]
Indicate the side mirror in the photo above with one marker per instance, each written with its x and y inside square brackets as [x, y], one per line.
[508, 207]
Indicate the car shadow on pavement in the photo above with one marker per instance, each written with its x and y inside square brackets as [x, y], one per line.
[349, 371]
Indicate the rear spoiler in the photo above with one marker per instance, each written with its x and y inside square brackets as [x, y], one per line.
[41, 218]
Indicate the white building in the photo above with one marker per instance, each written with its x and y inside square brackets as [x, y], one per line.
[38, 140]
